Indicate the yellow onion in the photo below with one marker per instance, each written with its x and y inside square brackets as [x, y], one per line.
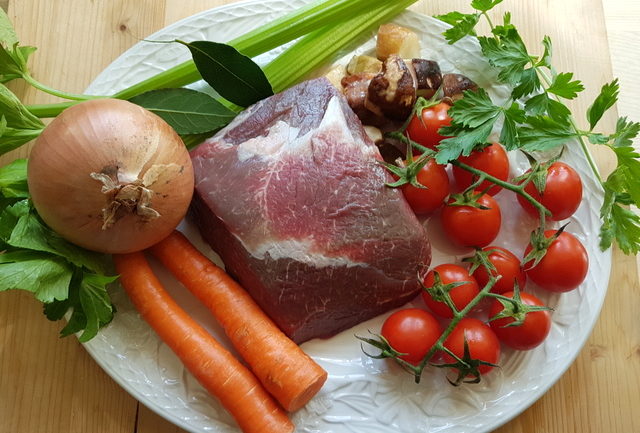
[110, 176]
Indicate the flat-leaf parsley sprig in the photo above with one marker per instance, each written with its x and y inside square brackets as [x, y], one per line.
[536, 118]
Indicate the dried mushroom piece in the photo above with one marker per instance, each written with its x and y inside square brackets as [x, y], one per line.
[428, 76]
[355, 89]
[392, 92]
[454, 84]
[364, 64]
[398, 40]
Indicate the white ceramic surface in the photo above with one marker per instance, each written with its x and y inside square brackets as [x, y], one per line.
[362, 395]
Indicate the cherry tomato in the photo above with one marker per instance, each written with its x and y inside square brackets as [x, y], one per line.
[508, 267]
[426, 200]
[492, 159]
[482, 341]
[564, 266]
[423, 129]
[470, 226]
[411, 331]
[531, 333]
[460, 295]
[562, 193]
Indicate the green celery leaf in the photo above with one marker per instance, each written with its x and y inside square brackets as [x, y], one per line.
[564, 87]
[10, 216]
[16, 114]
[505, 28]
[186, 110]
[13, 179]
[12, 138]
[544, 133]
[233, 75]
[45, 275]
[485, 5]
[605, 100]
[8, 35]
[95, 303]
[462, 25]
[32, 234]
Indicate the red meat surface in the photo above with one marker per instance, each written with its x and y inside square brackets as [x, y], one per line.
[291, 195]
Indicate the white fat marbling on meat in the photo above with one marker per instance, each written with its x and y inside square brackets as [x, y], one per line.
[278, 137]
[300, 251]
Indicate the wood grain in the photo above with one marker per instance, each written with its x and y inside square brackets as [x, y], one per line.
[51, 385]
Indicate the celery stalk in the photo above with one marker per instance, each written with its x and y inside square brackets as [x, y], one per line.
[265, 38]
[320, 46]
[345, 19]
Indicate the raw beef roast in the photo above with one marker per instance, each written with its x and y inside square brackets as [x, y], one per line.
[293, 198]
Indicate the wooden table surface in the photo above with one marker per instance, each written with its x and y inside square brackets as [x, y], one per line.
[52, 385]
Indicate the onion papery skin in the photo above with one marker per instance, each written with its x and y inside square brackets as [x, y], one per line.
[109, 139]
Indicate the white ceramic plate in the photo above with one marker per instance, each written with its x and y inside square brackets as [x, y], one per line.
[361, 395]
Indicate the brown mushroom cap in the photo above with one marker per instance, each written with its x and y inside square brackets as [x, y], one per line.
[392, 92]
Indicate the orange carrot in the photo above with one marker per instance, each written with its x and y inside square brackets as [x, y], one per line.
[288, 373]
[214, 367]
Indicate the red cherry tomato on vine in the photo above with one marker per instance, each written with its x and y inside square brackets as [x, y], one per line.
[460, 295]
[425, 200]
[492, 159]
[531, 333]
[564, 266]
[423, 129]
[482, 341]
[411, 331]
[471, 226]
[562, 193]
[508, 267]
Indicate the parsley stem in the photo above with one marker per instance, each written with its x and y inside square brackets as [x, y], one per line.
[44, 88]
[579, 135]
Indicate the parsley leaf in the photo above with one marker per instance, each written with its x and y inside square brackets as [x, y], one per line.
[626, 131]
[605, 100]
[564, 87]
[462, 25]
[618, 222]
[541, 104]
[484, 5]
[544, 133]
[508, 53]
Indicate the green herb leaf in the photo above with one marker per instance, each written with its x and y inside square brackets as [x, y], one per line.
[484, 5]
[13, 179]
[233, 75]
[626, 131]
[509, 137]
[46, 276]
[12, 138]
[564, 87]
[545, 60]
[508, 53]
[15, 113]
[541, 104]
[31, 233]
[462, 25]
[529, 83]
[95, 303]
[619, 223]
[544, 133]
[605, 100]
[8, 35]
[463, 141]
[186, 110]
